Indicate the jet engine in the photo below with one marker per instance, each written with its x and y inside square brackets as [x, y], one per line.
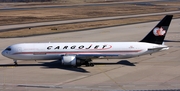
[71, 60]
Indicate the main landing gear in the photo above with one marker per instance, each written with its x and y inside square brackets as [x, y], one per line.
[89, 63]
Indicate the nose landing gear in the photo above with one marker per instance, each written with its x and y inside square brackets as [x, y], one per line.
[15, 62]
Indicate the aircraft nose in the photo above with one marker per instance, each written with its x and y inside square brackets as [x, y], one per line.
[4, 53]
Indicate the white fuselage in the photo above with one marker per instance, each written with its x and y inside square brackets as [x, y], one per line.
[51, 51]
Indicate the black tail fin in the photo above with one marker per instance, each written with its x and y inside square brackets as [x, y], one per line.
[158, 33]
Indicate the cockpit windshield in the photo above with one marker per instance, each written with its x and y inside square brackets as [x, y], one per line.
[9, 49]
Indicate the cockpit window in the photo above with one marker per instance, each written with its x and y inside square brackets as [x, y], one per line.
[9, 49]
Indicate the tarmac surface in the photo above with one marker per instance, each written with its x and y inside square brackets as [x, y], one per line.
[31, 25]
[23, 6]
[159, 71]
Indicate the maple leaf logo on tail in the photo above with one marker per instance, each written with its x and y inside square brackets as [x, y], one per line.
[159, 31]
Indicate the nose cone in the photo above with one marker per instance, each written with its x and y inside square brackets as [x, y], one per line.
[4, 53]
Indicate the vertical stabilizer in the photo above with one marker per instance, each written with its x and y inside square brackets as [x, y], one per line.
[158, 33]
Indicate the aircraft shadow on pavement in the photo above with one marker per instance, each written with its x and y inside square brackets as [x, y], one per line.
[57, 64]
[121, 62]
[53, 64]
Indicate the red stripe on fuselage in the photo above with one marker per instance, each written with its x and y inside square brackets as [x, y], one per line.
[76, 52]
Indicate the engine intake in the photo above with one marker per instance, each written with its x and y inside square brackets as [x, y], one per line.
[70, 60]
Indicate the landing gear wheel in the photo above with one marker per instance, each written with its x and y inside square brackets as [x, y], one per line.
[15, 62]
[91, 64]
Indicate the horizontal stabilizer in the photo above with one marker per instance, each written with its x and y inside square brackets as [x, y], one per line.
[158, 48]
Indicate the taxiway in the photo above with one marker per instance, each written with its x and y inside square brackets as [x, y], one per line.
[31, 25]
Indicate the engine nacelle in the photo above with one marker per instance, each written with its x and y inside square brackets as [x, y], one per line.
[70, 60]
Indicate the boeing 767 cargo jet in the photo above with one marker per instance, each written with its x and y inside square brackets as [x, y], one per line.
[82, 53]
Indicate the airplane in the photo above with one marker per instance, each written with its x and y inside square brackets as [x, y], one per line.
[82, 53]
